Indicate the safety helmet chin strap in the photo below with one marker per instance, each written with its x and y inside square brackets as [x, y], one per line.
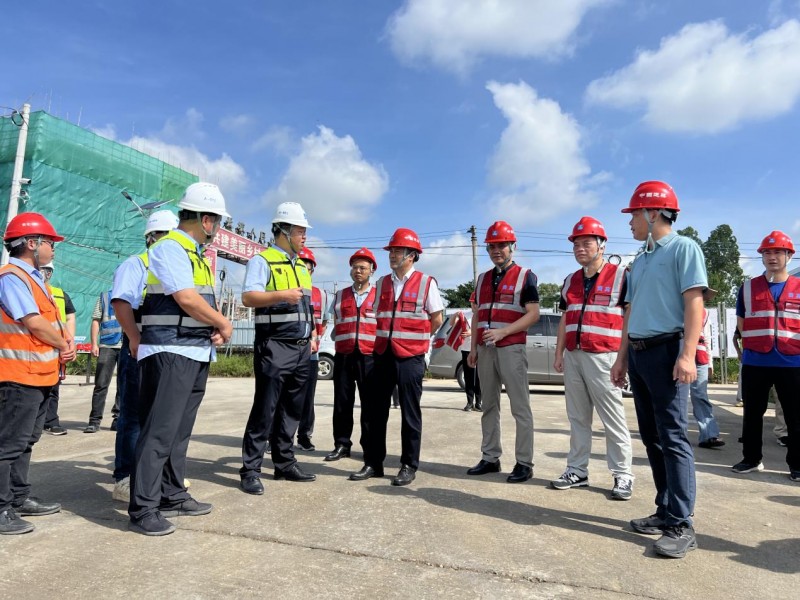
[511, 246]
[36, 253]
[288, 235]
[214, 229]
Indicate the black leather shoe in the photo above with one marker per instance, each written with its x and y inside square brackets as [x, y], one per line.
[520, 474]
[405, 476]
[366, 472]
[337, 453]
[468, 407]
[306, 444]
[478, 406]
[294, 473]
[33, 507]
[252, 485]
[11, 524]
[484, 467]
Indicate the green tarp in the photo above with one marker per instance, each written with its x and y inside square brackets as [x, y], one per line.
[77, 178]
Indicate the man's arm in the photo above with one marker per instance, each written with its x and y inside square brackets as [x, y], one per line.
[619, 371]
[196, 307]
[530, 317]
[558, 361]
[685, 369]
[436, 321]
[124, 312]
[95, 337]
[42, 330]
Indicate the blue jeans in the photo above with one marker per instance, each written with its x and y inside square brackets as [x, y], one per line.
[128, 420]
[662, 413]
[701, 406]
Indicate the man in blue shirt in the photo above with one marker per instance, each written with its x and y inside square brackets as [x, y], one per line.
[663, 322]
[181, 324]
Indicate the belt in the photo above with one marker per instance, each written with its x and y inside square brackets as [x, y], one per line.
[293, 342]
[656, 340]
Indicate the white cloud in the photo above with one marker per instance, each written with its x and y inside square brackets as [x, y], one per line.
[538, 168]
[241, 123]
[706, 79]
[448, 259]
[108, 131]
[279, 139]
[332, 181]
[454, 34]
[188, 128]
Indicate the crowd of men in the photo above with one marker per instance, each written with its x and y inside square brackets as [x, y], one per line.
[160, 323]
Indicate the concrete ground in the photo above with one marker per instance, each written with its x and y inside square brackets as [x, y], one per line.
[446, 535]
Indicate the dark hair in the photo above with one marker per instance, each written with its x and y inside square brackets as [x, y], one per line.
[186, 215]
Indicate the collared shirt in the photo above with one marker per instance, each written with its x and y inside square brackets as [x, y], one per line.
[16, 299]
[433, 303]
[360, 296]
[172, 267]
[129, 281]
[656, 284]
[530, 293]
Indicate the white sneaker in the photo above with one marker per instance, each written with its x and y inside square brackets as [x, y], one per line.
[122, 490]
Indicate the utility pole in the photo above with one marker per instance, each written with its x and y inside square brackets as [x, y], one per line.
[473, 231]
[16, 178]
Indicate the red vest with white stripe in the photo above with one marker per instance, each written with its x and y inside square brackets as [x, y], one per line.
[769, 324]
[501, 307]
[354, 326]
[701, 358]
[598, 316]
[316, 307]
[404, 323]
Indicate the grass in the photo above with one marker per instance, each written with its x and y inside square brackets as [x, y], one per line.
[235, 365]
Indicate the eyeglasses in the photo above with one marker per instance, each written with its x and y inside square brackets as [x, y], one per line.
[52, 243]
[361, 268]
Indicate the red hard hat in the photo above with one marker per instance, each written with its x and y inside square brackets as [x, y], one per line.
[777, 240]
[30, 224]
[588, 226]
[404, 238]
[364, 254]
[307, 254]
[654, 195]
[500, 231]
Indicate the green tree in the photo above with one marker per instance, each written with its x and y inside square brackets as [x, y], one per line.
[722, 261]
[458, 297]
[549, 294]
[721, 251]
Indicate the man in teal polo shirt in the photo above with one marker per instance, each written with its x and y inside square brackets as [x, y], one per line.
[663, 322]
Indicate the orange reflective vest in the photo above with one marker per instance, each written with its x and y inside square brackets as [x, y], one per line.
[24, 358]
[597, 315]
[502, 306]
[769, 323]
[355, 326]
[403, 323]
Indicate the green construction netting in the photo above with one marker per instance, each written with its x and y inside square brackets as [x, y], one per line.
[77, 178]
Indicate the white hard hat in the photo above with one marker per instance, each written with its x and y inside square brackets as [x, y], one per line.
[162, 220]
[48, 266]
[204, 197]
[292, 213]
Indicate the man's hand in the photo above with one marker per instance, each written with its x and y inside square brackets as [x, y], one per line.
[619, 372]
[95, 350]
[685, 371]
[492, 336]
[294, 295]
[314, 346]
[133, 344]
[226, 331]
[558, 363]
[68, 355]
[216, 338]
[472, 359]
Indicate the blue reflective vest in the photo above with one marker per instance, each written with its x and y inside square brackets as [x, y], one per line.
[110, 329]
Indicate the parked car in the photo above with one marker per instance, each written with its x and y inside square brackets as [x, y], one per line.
[541, 345]
[327, 351]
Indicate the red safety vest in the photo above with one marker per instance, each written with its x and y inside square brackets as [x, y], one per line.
[24, 358]
[404, 323]
[501, 307]
[702, 358]
[316, 306]
[598, 317]
[354, 326]
[769, 324]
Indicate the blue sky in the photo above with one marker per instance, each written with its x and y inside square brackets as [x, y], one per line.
[440, 114]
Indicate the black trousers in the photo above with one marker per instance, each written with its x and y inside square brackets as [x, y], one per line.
[171, 389]
[756, 383]
[51, 417]
[350, 371]
[22, 413]
[281, 370]
[107, 361]
[307, 416]
[405, 373]
[472, 384]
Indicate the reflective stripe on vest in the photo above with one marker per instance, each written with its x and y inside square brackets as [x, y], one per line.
[284, 320]
[110, 329]
[769, 323]
[316, 305]
[25, 359]
[164, 322]
[407, 330]
[597, 316]
[503, 306]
